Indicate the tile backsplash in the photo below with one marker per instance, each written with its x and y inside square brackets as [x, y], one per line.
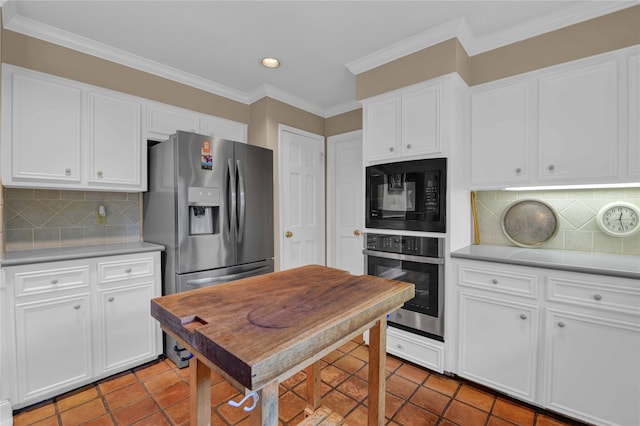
[576, 211]
[37, 218]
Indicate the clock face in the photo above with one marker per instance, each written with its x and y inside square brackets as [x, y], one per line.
[619, 219]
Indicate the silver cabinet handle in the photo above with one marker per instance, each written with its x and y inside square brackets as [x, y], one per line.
[597, 297]
[408, 146]
[561, 324]
[399, 346]
[551, 167]
[391, 148]
[67, 171]
[54, 281]
[76, 307]
[518, 170]
[523, 316]
[494, 281]
[111, 299]
[99, 173]
[128, 270]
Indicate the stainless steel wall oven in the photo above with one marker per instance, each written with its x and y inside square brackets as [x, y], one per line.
[417, 260]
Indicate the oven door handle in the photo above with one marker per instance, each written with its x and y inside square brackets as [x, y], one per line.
[404, 257]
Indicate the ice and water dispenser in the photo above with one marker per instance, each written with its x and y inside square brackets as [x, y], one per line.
[204, 210]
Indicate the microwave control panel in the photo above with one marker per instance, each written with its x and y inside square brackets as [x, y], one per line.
[405, 244]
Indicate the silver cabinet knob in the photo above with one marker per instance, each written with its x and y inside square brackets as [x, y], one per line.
[111, 299]
[99, 173]
[494, 281]
[128, 270]
[54, 281]
[67, 171]
[561, 324]
[391, 149]
[518, 170]
[551, 167]
[408, 146]
[399, 346]
[597, 297]
[76, 307]
[523, 316]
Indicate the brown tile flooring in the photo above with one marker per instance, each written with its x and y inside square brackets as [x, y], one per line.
[157, 394]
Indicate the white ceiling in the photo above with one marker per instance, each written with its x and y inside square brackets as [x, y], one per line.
[217, 45]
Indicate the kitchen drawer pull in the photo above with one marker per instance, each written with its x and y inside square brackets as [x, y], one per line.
[494, 281]
[408, 146]
[67, 171]
[391, 149]
[561, 324]
[54, 281]
[551, 167]
[518, 170]
[76, 307]
[111, 299]
[523, 316]
[128, 270]
[399, 346]
[597, 297]
[99, 173]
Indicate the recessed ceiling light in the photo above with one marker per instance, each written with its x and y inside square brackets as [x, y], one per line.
[270, 62]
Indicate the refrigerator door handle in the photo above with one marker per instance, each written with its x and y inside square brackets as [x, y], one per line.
[201, 282]
[232, 196]
[242, 201]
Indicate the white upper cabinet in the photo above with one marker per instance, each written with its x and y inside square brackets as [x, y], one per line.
[574, 123]
[62, 134]
[114, 133]
[406, 123]
[501, 134]
[578, 123]
[41, 130]
[221, 128]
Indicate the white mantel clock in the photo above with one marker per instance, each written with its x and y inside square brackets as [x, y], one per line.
[619, 219]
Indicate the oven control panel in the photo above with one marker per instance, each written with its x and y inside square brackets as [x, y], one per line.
[405, 244]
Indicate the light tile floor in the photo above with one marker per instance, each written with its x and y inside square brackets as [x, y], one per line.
[157, 394]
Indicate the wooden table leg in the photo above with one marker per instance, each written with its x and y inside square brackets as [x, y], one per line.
[266, 412]
[200, 389]
[313, 386]
[377, 358]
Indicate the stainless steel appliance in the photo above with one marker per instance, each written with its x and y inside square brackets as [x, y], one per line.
[407, 195]
[210, 203]
[417, 260]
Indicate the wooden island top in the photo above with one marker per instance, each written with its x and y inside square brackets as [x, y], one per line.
[260, 330]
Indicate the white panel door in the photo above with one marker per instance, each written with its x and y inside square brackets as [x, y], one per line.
[345, 203]
[301, 198]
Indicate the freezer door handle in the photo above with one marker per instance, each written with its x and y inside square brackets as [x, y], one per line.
[242, 201]
[202, 282]
[232, 195]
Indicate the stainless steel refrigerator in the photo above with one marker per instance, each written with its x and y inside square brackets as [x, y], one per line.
[210, 203]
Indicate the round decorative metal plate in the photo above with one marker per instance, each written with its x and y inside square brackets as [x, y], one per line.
[529, 223]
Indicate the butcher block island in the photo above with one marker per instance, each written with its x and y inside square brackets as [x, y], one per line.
[258, 331]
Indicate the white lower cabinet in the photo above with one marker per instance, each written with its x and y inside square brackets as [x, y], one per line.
[571, 346]
[592, 368]
[53, 345]
[500, 344]
[69, 325]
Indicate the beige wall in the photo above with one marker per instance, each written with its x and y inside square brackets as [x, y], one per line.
[343, 123]
[603, 34]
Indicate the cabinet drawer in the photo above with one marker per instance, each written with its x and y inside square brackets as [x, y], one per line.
[497, 280]
[415, 349]
[124, 269]
[48, 280]
[599, 295]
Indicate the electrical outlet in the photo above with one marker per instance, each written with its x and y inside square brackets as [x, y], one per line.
[101, 216]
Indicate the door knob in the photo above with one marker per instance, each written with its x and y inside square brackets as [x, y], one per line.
[288, 234]
[357, 232]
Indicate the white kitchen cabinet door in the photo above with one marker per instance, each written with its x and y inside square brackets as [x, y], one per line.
[224, 129]
[127, 334]
[498, 344]
[633, 156]
[421, 122]
[501, 135]
[578, 124]
[591, 369]
[42, 134]
[163, 121]
[53, 352]
[115, 142]
[382, 129]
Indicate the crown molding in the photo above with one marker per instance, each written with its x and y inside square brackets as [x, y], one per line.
[286, 97]
[474, 45]
[54, 35]
[342, 108]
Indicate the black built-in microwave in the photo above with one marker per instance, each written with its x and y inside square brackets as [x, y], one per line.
[407, 195]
